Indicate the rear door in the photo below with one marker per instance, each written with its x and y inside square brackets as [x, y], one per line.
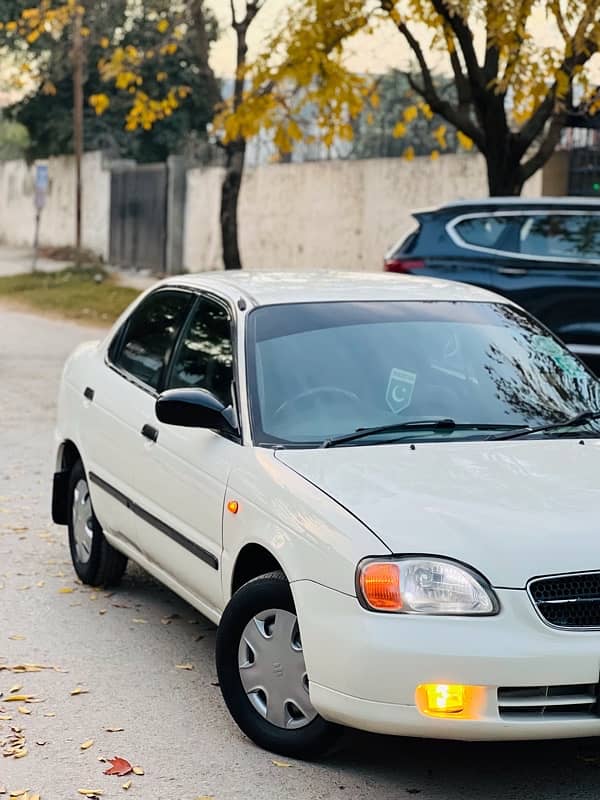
[114, 434]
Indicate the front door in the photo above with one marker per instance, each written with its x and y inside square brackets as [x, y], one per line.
[184, 477]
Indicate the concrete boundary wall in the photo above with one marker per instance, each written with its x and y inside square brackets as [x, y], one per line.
[17, 212]
[326, 214]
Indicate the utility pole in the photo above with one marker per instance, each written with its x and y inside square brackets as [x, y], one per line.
[78, 59]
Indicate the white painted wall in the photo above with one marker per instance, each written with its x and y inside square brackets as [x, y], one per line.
[17, 212]
[327, 214]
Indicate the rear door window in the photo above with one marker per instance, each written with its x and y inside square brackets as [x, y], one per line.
[144, 347]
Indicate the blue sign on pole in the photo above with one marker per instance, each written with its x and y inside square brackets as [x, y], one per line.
[42, 184]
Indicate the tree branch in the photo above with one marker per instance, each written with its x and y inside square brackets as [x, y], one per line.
[460, 119]
[546, 148]
[465, 39]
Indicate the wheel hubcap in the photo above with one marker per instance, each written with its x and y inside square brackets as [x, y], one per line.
[273, 671]
[82, 518]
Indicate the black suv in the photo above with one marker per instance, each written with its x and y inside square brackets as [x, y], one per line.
[544, 254]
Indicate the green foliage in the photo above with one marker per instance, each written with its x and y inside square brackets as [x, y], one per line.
[14, 140]
[47, 110]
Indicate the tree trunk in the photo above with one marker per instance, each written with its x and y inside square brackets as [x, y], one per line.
[230, 192]
[78, 101]
[505, 178]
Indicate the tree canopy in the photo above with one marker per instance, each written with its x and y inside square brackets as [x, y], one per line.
[512, 87]
[168, 84]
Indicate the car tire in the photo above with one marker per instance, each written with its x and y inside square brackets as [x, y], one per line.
[299, 732]
[96, 562]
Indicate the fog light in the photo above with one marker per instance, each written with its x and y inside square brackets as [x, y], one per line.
[444, 698]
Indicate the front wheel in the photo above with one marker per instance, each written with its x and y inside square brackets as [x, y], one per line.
[262, 674]
[95, 561]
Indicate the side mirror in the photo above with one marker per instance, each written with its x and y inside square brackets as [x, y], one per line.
[195, 408]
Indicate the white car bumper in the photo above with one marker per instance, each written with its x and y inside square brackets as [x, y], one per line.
[364, 668]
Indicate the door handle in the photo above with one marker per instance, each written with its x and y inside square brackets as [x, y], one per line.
[89, 393]
[514, 271]
[150, 433]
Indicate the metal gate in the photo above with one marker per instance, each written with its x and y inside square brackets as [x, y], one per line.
[138, 217]
[584, 172]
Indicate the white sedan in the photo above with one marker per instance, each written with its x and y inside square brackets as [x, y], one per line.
[386, 493]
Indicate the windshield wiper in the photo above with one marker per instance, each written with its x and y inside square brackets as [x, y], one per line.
[572, 422]
[410, 425]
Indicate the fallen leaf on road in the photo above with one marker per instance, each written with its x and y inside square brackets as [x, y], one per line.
[114, 730]
[50, 714]
[184, 666]
[20, 753]
[18, 793]
[40, 584]
[127, 785]
[90, 792]
[86, 745]
[19, 698]
[41, 743]
[24, 710]
[282, 764]
[140, 621]
[119, 766]
[5, 718]
[66, 590]
[79, 690]
[102, 612]
[16, 637]
[15, 689]
[137, 771]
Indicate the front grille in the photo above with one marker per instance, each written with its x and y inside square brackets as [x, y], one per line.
[579, 700]
[568, 601]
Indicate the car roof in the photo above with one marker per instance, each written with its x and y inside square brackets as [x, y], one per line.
[517, 203]
[276, 288]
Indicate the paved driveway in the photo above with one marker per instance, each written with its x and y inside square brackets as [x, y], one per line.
[123, 648]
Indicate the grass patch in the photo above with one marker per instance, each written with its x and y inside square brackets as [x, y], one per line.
[89, 294]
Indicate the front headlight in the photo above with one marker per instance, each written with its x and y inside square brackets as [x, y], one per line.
[423, 585]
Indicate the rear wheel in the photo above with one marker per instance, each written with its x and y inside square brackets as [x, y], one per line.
[262, 673]
[95, 561]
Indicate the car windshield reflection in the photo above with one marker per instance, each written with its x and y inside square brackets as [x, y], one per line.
[324, 370]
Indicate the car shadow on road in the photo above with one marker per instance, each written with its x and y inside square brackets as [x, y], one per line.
[475, 770]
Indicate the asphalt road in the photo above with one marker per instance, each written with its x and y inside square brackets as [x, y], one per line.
[123, 647]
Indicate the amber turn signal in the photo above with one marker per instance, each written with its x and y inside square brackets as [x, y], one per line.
[233, 506]
[380, 585]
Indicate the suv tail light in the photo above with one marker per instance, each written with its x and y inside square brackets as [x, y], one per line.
[399, 264]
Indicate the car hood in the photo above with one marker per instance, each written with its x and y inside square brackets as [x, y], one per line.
[512, 510]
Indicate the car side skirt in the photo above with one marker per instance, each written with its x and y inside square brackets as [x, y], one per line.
[161, 526]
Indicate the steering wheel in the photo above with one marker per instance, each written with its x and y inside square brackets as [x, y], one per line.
[309, 393]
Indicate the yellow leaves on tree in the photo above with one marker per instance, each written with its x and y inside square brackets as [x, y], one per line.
[304, 70]
[100, 103]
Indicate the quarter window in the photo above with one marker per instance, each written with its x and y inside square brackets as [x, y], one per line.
[204, 359]
[150, 333]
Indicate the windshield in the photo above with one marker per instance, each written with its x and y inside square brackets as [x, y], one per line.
[321, 370]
